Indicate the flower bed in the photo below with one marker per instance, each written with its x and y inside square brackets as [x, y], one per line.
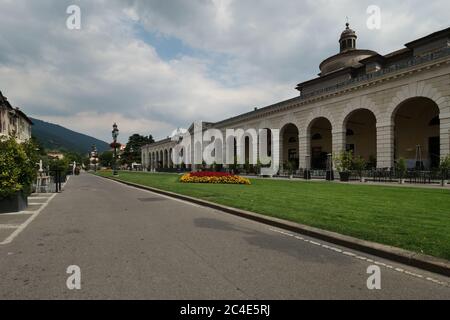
[213, 177]
[210, 174]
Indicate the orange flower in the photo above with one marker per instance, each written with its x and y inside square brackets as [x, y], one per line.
[189, 178]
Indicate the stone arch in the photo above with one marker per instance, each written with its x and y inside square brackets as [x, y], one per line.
[265, 124]
[319, 113]
[359, 103]
[289, 119]
[290, 144]
[414, 90]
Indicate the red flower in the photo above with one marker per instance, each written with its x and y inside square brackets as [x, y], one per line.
[210, 174]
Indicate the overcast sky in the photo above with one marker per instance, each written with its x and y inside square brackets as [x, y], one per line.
[156, 65]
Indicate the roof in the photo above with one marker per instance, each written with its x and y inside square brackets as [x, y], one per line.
[4, 101]
[23, 115]
[429, 38]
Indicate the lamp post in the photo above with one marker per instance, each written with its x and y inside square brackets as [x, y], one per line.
[115, 134]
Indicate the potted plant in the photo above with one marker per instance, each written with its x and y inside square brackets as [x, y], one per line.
[445, 169]
[289, 167]
[344, 162]
[359, 164]
[401, 170]
[18, 171]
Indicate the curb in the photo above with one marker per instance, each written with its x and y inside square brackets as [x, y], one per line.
[406, 257]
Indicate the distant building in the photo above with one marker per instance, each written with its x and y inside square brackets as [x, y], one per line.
[13, 122]
[55, 155]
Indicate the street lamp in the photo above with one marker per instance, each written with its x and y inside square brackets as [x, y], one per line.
[115, 135]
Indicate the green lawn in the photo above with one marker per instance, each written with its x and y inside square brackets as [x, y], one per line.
[416, 219]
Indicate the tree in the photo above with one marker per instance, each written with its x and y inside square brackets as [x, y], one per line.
[73, 156]
[132, 152]
[106, 159]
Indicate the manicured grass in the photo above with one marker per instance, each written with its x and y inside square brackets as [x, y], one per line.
[416, 219]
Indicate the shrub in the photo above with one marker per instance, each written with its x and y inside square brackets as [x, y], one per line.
[289, 167]
[445, 167]
[17, 167]
[359, 164]
[401, 168]
[344, 161]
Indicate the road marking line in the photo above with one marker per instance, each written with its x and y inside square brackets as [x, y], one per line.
[26, 223]
[8, 226]
[353, 255]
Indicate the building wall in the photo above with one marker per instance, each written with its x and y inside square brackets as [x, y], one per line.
[381, 96]
[14, 126]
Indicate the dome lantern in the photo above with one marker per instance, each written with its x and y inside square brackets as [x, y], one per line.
[348, 39]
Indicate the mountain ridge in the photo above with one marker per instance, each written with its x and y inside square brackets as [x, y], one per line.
[58, 138]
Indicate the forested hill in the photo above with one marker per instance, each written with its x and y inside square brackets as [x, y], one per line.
[56, 137]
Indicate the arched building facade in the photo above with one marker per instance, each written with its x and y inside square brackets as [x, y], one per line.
[383, 107]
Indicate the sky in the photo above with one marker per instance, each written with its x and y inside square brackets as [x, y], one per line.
[156, 65]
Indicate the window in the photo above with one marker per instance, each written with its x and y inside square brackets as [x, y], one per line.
[316, 136]
[292, 154]
[350, 132]
[292, 140]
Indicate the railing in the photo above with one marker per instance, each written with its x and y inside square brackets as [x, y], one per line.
[393, 68]
[411, 176]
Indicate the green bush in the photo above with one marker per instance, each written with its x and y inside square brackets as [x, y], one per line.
[17, 167]
[445, 167]
[401, 168]
[359, 164]
[344, 161]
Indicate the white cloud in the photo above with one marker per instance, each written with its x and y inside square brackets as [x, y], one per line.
[252, 53]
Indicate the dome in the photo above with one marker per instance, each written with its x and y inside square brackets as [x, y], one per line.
[350, 58]
[349, 55]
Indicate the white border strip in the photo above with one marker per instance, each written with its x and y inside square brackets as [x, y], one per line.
[360, 257]
[26, 223]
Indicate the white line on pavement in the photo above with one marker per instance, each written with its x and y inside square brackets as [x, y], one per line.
[8, 226]
[26, 223]
[353, 255]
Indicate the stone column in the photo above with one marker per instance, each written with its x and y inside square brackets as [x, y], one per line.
[338, 141]
[281, 151]
[385, 145]
[445, 134]
[304, 150]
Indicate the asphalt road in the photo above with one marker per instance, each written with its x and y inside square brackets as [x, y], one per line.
[133, 244]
